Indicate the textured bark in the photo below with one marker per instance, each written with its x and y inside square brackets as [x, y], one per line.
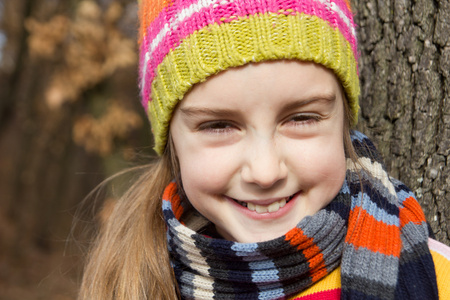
[405, 79]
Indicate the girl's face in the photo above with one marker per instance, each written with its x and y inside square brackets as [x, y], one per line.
[261, 146]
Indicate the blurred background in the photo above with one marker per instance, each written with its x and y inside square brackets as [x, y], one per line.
[70, 117]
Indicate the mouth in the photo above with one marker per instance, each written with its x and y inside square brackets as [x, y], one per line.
[270, 208]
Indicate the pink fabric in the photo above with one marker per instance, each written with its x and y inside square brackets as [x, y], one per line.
[207, 16]
[440, 248]
[326, 295]
[239, 8]
[167, 15]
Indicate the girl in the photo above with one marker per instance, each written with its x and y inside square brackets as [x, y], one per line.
[261, 190]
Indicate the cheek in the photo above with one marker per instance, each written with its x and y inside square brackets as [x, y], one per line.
[322, 164]
[331, 164]
[206, 172]
[330, 173]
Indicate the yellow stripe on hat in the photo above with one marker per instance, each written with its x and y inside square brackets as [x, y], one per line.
[256, 38]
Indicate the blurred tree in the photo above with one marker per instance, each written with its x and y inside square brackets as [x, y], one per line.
[405, 103]
[69, 117]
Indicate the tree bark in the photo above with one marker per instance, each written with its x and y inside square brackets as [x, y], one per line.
[405, 82]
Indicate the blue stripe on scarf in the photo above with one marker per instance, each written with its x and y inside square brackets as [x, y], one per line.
[378, 213]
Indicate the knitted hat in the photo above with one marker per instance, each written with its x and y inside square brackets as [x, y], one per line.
[183, 42]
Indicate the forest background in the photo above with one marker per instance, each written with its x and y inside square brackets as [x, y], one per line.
[70, 117]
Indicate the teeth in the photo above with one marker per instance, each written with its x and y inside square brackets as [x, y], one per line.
[260, 209]
[274, 207]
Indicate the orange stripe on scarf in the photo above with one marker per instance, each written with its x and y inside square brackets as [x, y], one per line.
[365, 231]
[311, 252]
[170, 193]
[411, 212]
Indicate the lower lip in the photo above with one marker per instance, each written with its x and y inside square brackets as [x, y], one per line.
[266, 216]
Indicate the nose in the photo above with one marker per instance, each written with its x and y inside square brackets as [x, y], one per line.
[264, 165]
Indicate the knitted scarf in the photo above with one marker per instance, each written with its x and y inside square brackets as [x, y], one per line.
[374, 229]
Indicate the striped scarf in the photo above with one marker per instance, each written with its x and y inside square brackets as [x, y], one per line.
[374, 229]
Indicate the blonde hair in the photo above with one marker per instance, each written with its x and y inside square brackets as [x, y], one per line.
[129, 259]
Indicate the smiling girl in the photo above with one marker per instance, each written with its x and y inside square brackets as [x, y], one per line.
[261, 190]
[260, 147]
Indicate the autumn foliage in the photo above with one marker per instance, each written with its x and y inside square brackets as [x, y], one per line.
[69, 118]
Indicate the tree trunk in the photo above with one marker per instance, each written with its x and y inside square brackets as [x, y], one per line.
[405, 106]
[60, 132]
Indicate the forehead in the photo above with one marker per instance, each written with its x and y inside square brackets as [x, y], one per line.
[256, 84]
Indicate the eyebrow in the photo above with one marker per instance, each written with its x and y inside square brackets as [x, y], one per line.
[217, 112]
[327, 98]
[223, 113]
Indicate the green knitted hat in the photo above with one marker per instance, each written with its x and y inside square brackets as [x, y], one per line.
[183, 42]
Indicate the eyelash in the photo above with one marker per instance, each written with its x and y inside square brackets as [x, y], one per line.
[304, 119]
[226, 126]
[216, 127]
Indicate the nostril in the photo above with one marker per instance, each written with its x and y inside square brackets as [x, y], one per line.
[264, 177]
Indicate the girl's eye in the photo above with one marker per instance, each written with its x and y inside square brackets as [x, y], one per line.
[304, 119]
[217, 126]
